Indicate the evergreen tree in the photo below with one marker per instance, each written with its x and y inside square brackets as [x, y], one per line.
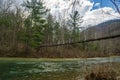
[74, 23]
[35, 22]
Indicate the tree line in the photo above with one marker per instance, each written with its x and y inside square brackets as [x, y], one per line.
[23, 28]
[32, 25]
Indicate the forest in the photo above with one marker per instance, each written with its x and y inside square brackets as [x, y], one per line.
[25, 28]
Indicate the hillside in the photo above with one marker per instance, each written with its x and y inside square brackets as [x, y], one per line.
[105, 29]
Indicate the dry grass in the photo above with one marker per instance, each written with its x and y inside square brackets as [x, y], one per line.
[104, 71]
[101, 75]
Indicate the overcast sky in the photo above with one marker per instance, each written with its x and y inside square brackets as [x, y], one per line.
[93, 11]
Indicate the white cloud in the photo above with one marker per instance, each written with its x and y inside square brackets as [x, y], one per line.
[97, 16]
[62, 8]
[97, 5]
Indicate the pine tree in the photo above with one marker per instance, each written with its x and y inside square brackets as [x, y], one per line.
[74, 22]
[35, 22]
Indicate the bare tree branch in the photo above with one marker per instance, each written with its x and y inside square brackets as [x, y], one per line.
[116, 5]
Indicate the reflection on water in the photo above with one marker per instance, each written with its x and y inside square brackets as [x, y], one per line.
[47, 70]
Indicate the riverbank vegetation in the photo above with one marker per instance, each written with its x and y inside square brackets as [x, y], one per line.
[104, 71]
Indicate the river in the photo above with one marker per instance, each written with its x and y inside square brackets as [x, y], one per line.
[47, 69]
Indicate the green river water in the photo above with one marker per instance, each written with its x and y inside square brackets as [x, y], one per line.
[47, 69]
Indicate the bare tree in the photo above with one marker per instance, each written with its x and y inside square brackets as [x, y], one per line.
[5, 5]
[116, 4]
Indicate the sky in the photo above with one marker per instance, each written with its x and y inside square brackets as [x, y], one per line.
[93, 11]
[102, 3]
